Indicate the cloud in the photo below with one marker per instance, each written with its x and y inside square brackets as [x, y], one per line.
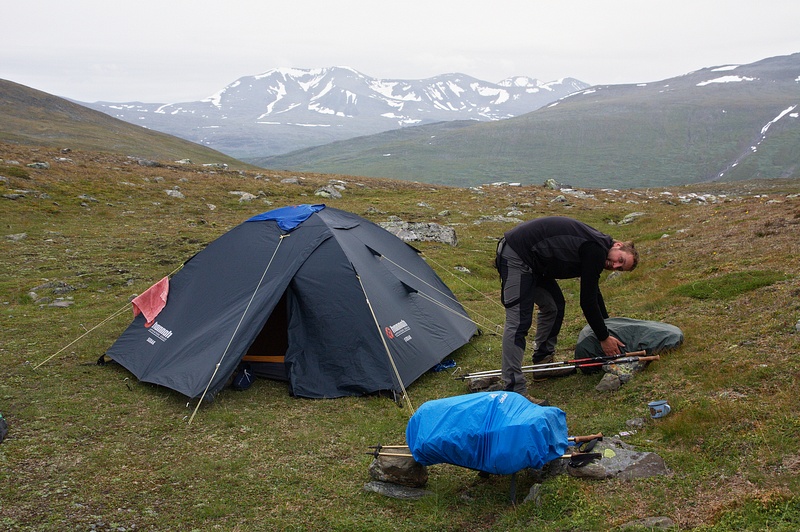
[180, 50]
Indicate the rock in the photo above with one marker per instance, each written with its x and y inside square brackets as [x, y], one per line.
[636, 423]
[39, 165]
[535, 496]
[243, 196]
[499, 219]
[624, 371]
[577, 193]
[402, 470]
[631, 217]
[61, 303]
[650, 523]
[148, 163]
[422, 232]
[620, 460]
[395, 491]
[175, 194]
[609, 383]
[328, 191]
[17, 237]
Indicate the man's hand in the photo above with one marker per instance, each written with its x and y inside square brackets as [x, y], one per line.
[611, 346]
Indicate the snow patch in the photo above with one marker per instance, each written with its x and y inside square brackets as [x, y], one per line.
[725, 68]
[725, 79]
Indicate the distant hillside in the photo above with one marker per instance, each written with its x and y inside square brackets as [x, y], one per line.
[32, 117]
[726, 123]
[287, 109]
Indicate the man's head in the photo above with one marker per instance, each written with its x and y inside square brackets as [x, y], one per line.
[622, 257]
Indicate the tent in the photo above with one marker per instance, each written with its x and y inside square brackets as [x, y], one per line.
[319, 297]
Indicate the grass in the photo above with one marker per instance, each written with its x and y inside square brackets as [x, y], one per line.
[91, 448]
[729, 285]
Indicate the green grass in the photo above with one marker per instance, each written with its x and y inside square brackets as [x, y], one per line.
[89, 447]
[729, 285]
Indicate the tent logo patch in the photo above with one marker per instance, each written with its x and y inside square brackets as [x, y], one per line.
[160, 332]
[401, 327]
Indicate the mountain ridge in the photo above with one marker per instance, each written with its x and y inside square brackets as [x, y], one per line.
[285, 109]
[729, 122]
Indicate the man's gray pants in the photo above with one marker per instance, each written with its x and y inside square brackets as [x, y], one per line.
[521, 289]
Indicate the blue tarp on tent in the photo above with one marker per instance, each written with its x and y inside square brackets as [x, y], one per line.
[496, 432]
[290, 217]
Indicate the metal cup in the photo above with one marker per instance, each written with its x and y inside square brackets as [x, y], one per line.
[658, 409]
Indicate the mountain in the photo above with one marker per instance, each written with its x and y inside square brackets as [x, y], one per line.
[32, 117]
[729, 122]
[286, 109]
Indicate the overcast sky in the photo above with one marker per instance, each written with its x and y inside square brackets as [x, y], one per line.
[183, 50]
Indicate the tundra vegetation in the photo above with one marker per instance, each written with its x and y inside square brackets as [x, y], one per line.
[90, 448]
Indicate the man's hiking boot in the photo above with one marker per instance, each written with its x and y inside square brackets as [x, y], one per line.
[556, 371]
[534, 400]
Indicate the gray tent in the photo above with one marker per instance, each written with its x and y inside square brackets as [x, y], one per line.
[320, 297]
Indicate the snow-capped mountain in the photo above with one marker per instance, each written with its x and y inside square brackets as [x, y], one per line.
[286, 109]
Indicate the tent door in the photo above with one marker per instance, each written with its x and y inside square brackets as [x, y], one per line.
[266, 354]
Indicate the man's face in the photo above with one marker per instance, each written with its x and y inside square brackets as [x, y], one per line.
[618, 260]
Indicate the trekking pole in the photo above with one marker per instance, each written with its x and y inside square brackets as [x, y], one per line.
[582, 439]
[581, 459]
[585, 444]
[565, 364]
[392, 451]
[623, 360]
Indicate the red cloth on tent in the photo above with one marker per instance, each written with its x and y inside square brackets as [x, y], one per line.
[151, 301]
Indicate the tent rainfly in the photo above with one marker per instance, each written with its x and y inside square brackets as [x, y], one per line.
[319, 297]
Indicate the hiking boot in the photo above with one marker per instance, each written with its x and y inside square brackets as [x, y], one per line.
[482, 384]
[534, 400]
[498, 386]
[556, 371]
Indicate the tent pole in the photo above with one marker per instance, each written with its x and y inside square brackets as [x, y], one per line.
[386, 347]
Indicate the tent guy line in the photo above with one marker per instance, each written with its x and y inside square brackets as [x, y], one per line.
[109, 318]
[493, 300]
